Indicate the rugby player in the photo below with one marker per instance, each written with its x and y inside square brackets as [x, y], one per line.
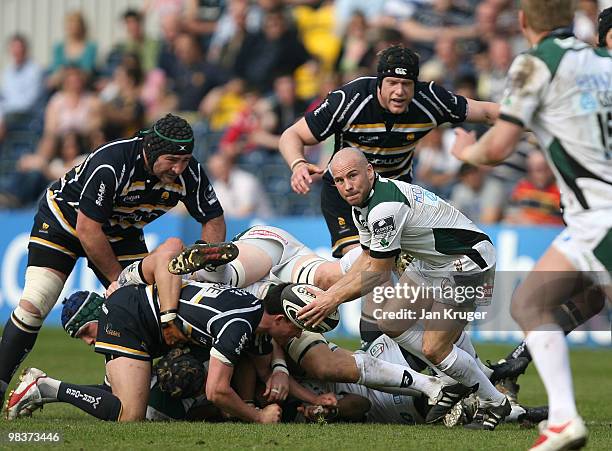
[553, 90]
[227, 321]
[383, 116]
[98, 211]
[449, 251]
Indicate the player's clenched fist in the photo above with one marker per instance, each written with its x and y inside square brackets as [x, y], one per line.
[270, 414]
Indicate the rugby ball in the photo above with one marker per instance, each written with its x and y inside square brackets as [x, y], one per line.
[297, 295]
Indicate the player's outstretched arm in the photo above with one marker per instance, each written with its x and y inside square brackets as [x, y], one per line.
[492, 148]
[291, 147]
[480, 111]
[220, 392]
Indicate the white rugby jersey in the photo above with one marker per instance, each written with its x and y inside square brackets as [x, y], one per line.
[562, 90]
[400, 216]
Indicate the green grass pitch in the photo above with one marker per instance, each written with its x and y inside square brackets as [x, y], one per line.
[71, 360]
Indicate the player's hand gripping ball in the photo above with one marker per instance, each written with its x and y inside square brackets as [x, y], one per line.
[298, 295]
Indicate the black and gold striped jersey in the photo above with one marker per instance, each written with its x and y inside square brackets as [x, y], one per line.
[354, 115]
[113, 187]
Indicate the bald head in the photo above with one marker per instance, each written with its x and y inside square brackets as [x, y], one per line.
[352, 174]
[349, 156]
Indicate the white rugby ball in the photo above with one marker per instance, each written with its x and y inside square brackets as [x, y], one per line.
[296, 296]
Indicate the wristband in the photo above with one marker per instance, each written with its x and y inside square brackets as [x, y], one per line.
[296, 162]
[279, 365]
[168, 315]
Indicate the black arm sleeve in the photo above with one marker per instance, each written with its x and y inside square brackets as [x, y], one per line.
[452, 106]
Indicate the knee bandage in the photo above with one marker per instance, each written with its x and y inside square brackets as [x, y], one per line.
[42, 288]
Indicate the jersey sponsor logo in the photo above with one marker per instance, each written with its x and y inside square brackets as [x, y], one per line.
[422, 196]
[365, 139]
[131, 198]
[110, 331]
[321, 107]
[349, 105]
[401, 71]
[410, 137]
[377, 349]
[101, 192]
[384, 227]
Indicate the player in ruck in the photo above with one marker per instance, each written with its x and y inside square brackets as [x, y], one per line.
[553, 90]
[227, 321]
[98, 211]
[449, 251]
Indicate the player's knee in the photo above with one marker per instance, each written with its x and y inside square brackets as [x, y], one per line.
[434, 351]
[171, 245]
[42, 288]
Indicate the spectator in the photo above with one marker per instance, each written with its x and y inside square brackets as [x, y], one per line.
[355, 46]
[137, 42]
[447, 64]
[75, 50]
[21, 84]
[34, 173]
[437, 168]
[585, 21]
[471, 195]
[201, 17]
[251, 130]
[193, 77]
[434, 19]
[536, 198]
[240, 193]
[171, 27]
[223, 104]
[122, 109]
[277, 49]
[286, 106]
[492, 81]
[72, 109]
[230, 34]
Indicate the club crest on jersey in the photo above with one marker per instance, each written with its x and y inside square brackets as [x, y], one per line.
[410, 136]
[165, 195]
[377, 349]
[384, 227]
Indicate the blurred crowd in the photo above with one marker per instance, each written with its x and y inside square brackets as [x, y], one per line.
[242, 71]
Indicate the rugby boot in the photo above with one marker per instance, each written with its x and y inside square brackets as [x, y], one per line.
[205, 256]
[488, 417]
[448, 397]
[569, 435]
[508, 369]
[26, 397]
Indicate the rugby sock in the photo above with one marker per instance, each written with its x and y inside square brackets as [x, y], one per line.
[231, 274]
[412, 341]
[550, 355]
[48, 387]
[379, 374]
[567, 315]
[100, 403]
[460, 366]
[465, 343]
[15, 345]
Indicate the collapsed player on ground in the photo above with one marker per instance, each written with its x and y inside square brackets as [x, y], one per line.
[550, 92]
[228, 321]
